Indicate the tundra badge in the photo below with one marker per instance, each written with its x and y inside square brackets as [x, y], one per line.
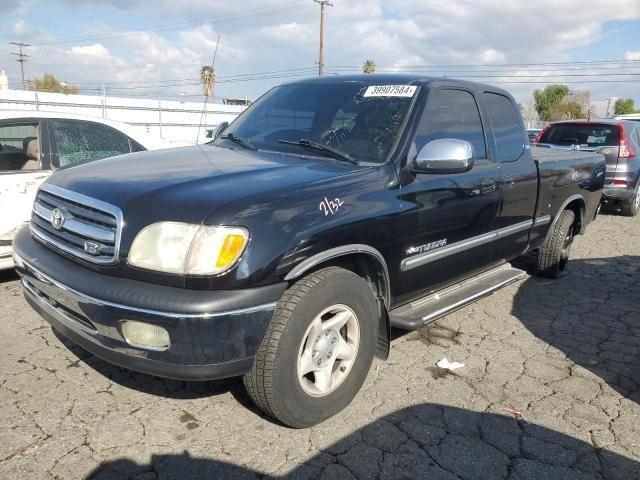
[427, 246]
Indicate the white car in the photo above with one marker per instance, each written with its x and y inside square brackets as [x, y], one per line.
[634, 117]
[34, 144]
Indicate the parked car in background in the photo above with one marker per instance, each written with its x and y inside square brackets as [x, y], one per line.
[532, 133]
[632, 117]
[618, 141]
[330, 210]
[34, 144]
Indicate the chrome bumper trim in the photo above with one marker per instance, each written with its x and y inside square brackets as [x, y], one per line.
[47, 279]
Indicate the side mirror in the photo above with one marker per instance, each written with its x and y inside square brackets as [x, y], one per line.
[444, 155]
[219, 129]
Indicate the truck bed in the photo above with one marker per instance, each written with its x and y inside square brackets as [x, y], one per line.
[565, 174]
[544, 155]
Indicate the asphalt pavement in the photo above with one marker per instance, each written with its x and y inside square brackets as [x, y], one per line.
[550, 389]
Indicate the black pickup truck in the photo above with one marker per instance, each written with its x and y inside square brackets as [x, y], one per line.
[285, 250]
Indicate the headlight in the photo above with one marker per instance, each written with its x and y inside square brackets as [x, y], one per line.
[188, 249]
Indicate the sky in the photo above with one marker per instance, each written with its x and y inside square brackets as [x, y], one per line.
[155, 49]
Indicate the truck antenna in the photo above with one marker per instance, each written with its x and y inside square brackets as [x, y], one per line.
[204, 102]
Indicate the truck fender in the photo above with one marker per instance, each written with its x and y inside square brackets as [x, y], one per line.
[563, 207]
[384, 327]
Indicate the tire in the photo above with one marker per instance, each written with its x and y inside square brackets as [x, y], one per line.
[631, 207]
[276, 382]
[553, 256]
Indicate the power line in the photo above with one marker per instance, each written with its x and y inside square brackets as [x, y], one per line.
[501, 65]
[21, 59]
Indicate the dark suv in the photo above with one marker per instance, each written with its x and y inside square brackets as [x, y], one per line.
[618, 141]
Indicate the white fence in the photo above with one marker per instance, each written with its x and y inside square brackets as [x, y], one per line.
[171, 120]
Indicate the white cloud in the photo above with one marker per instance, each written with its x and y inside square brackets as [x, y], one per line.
[632, 56]
[19, 27]
[490, 55]
[259, 36]
[288, 32]
[96, 50]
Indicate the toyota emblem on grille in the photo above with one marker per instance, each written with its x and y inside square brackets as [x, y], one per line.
[57, 218]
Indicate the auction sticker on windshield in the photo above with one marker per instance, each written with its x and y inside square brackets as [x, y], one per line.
[390, 91]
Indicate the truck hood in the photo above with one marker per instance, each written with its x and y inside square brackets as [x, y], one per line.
[187, 184]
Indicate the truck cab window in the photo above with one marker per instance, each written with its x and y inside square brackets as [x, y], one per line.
[452, 114]
[19, 147]
[506, 127]
[82, 142]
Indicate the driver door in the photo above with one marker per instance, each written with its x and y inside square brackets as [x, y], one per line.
[446, 217]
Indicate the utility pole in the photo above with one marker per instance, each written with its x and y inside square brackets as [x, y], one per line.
[322, 3]
[21, 59]
[610, 101]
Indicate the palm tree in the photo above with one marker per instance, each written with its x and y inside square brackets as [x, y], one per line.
[369, 66]
[207, 79]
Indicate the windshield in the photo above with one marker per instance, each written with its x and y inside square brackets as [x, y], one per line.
[359, 120]
[592, 135]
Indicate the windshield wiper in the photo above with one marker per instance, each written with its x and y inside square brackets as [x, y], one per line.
[239, 141]
[335, 153]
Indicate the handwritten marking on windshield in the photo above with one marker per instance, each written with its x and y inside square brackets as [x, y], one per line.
[330, 206]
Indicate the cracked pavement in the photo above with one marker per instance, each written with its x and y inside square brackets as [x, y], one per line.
[550, 390]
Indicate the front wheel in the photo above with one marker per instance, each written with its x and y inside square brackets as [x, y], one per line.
[317, 350]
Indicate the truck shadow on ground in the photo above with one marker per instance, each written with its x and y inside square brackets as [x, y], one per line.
[9, 275]
[591, 315]
[423, 441]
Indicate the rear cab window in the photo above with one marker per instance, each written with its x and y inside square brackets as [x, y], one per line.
[19, 147]
[587, 135]
[507, 132]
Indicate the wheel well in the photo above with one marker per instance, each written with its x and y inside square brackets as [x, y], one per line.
[374, 272]
[577, 206]
[365, 266]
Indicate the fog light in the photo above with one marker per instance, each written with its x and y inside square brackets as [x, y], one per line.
[145, 335]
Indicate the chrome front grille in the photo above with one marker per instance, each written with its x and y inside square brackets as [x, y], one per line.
[79, 225]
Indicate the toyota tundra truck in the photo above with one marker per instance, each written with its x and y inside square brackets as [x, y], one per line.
[330, 211]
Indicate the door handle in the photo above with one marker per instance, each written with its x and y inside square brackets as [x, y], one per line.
[488, 185]
[509, 181]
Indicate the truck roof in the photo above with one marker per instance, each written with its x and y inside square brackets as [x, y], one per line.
[397, 79]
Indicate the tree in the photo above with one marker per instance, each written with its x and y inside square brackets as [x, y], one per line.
[624, 106]
[529, 113]
[49, 83]
[551, 96]
[566, 111]
[369, 66]
[207, 79]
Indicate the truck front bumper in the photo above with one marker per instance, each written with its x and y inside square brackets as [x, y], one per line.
[213, 334]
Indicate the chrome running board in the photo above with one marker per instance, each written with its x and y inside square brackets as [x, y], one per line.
[435, 305]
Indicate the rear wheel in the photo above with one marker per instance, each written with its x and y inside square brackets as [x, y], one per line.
[631, 207]
[553, 256]
[317, 350]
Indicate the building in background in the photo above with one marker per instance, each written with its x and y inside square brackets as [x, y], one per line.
[4, 81]
[168, 119]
